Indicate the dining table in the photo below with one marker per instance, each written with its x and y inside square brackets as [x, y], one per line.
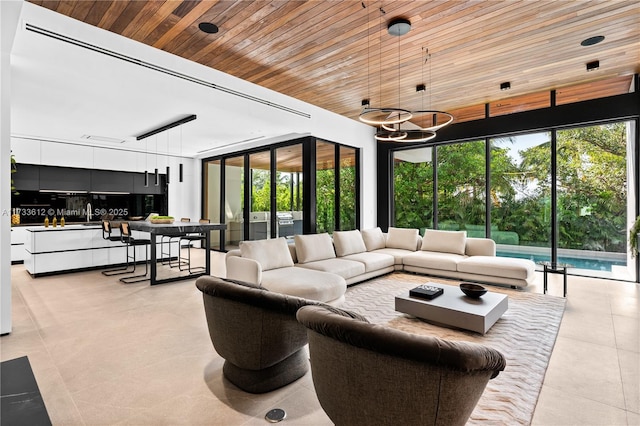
[177, 229]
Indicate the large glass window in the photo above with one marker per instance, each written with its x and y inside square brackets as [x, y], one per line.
[413, 188]
[462, 187]
[588, 220]
[234, 200]
[289, 190]
[212, 207]
[521, 195]
[259, 215]
[592, 197]
[325, 187]
[347, 194]
[272, 187]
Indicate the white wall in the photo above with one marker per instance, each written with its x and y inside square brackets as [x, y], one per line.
[9, 13]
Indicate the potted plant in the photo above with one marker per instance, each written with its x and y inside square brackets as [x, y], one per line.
[633, 237]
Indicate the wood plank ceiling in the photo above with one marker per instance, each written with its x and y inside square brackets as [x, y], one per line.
[334, 54]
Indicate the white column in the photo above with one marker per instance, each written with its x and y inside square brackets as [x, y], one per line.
[9, 17]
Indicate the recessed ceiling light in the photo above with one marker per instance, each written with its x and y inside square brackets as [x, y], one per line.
[208, 27]
[591, 40]
[399, 27]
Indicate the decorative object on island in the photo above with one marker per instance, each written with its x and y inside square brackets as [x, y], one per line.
[392, 119]
[46, 221]
[472, 290]
[634, 234]
[161, 219]
[15, 216]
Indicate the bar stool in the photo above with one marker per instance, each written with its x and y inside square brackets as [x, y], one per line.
[106, 235]
[126, 238]
[167, 239]
[191, 238]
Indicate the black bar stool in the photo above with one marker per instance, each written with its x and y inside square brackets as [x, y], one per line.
[167, 239]
[126, 238]
[191, 238]
[106, 234]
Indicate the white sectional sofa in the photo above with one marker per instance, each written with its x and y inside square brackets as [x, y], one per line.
[318, 267]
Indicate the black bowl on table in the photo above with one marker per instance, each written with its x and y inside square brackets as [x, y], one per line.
[473, 290]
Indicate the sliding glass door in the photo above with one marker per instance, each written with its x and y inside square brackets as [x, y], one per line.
[461, 187]
[234, 200]
[213, 208]
[288, 183]
[592, 197]
[413, 188]
[561, 195]
[520, 191]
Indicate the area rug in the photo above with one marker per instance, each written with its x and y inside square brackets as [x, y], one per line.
[525, 335]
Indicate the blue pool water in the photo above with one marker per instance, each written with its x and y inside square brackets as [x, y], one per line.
[580, 263]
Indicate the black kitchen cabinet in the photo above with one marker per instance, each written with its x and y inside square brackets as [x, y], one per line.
[26, 177]
[109, 181]
[65, 179]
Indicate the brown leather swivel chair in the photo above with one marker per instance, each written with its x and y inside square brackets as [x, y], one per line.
[366, 374]
[256, 332]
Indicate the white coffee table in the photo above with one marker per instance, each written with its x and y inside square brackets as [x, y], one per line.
[453, 308]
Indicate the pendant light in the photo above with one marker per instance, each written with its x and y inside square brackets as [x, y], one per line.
[157, 182]
[146, 163]
[180, 166]
[390, 119]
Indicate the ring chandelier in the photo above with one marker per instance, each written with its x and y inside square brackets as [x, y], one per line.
[390, 120]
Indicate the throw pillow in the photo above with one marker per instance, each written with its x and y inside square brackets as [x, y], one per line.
[271, 254]
[373, 239]
[444, 241]
[403, 238]
[310, 248]
[348, 242]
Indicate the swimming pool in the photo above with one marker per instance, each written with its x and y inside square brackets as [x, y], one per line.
[577, 262]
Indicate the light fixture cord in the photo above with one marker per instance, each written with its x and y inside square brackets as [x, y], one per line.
[399, 103]
[380, 54]
[368, 55]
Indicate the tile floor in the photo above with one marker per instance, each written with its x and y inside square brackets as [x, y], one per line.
[104, 352]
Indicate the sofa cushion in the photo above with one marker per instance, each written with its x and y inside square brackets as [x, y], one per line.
[373, 239]
[372, 261]
[348, 242]
[433, 260]
[271, 254]
[444, 241]
[508, 267]
[402, 238]
[345, 268]
[305, 283]
[312, 247]
[397, 254]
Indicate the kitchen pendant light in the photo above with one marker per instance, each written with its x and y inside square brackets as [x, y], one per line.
[146, 163]
[180, 166]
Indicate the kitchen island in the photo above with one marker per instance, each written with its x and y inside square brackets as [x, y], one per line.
[49, 250]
